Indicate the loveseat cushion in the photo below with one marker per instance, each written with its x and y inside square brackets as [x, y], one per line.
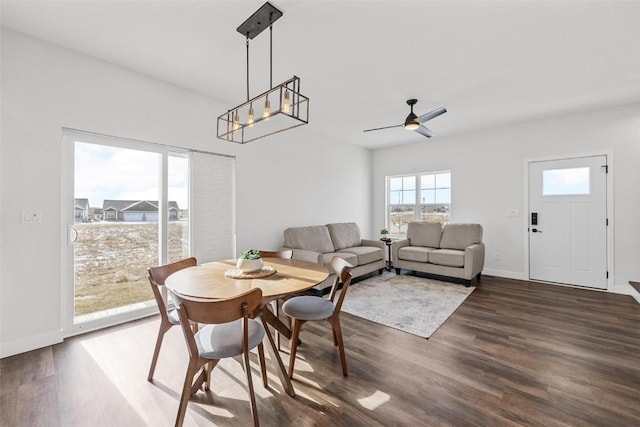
[344, 235]
[365, 254]
[312, 238]
[448, 257]
[414, 253]
[460, 236]
[421, 233]
[350, 258]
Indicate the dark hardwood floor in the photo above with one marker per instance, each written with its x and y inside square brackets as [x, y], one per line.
[515, 353]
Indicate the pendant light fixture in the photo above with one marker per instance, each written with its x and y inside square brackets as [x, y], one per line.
[283, 106]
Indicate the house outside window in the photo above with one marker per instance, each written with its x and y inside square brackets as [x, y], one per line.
[417, 197]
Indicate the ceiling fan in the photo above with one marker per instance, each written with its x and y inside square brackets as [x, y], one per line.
[416, 123]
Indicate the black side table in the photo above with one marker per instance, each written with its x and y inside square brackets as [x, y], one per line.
[388, 264]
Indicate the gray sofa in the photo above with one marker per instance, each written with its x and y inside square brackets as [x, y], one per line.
[455, 250]
[320, 243]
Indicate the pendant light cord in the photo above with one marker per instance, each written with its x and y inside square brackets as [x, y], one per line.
[247, 67]
[271, 56]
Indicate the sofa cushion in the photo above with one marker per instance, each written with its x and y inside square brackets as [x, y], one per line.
[422, 233]
[312, 238]
[460, 236]
[449, 257]
[350, 258]
[414, 253]
[344, 235]
[365, 254]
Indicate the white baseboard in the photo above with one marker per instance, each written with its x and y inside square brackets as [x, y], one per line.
[626, 289]
[30, 343]
[504, 273]
[620, 288]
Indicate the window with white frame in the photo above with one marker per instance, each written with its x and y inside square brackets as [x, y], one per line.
[417, 197]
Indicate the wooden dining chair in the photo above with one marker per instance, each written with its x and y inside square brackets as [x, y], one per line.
[227, 330]
[305, 308]
[168, 318]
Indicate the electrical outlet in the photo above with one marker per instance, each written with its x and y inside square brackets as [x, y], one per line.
[513, 213]
[496, 256]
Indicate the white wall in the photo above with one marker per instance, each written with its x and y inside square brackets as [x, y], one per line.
[489, 179]
[288, 179]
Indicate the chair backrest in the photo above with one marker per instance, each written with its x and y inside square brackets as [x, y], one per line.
[217, 311]
[157, 276]
[288, 254]
[220, 310]
[343, 275]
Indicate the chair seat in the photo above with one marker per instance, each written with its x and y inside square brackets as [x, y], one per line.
[173, 317]
[308, 308]
[225, 339]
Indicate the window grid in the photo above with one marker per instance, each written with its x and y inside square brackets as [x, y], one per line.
[417, 197]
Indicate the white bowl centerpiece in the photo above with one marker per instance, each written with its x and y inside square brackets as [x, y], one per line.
[250, 261]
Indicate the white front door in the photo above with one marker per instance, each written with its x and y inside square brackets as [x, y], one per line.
[568, 221]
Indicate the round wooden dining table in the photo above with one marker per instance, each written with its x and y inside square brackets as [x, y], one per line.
[209, 281]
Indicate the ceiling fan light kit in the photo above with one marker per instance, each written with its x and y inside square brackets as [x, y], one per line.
[416, 123]
[278, 109]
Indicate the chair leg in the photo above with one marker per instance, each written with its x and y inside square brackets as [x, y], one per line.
[154, 360]
[263, 365]
[208, 370]
[186, 392]
[337, 331]
[277, 304]
[295, 332]
[252, 396]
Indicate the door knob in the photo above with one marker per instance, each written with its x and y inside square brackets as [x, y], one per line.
[535, 230]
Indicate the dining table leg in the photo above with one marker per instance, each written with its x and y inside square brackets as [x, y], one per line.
[266, 317]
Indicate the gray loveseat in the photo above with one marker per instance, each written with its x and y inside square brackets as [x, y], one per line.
[320, 243]
[455, 250]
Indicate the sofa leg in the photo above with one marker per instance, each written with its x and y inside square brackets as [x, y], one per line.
[479, 277]
[380, 270]
[398, 271]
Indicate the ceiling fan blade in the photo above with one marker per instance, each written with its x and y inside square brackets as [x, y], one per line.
[385, 127]
[422, 130]
[432, 114]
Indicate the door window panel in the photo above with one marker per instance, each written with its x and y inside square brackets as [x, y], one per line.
[178, 209]
[118, 238]
[565, 182]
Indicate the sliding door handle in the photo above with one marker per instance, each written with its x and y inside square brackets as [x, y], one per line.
[72, 235]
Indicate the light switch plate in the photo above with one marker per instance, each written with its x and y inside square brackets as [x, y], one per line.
[31, 217]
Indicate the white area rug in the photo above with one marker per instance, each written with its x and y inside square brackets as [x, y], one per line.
[408, 303]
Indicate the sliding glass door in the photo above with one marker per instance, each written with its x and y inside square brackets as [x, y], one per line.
[127, 206]
[130, 209]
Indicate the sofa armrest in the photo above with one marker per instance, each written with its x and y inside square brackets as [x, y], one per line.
[473, 260]
[395, 246]
[305, 255]
[376, 243]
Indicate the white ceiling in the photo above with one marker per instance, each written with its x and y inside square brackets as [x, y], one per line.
[489, 63]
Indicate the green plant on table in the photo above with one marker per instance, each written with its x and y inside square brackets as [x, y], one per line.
[251, 254]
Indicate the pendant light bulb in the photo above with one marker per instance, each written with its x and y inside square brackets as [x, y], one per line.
[285, 102]
[267, 109]
[250, 116]
[236, 121]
